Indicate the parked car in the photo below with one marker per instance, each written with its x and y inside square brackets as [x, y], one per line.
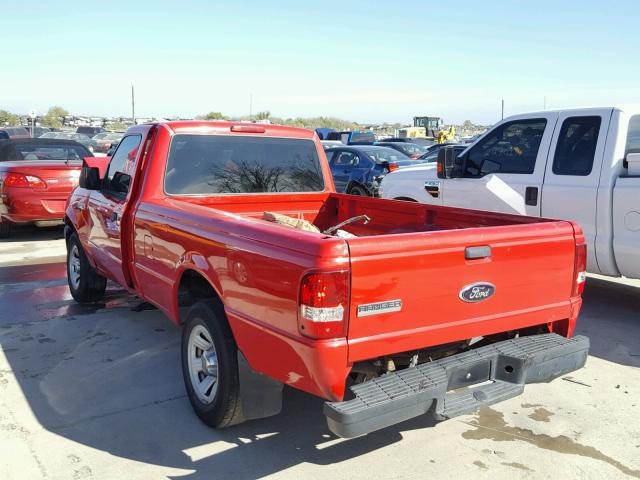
[90, 131]
[91, 144]
[331, 143]
[104, 142]
[423, 142]
[112, 149]
[284, 281]
[571, 164]
[13, 132]
[438, 146]
[411, 150]
[37, 131]
[358, 170]
[323, 132]
[36, 177]
[432, 155]
[352, 138]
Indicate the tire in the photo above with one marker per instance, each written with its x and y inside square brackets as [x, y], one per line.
[217, 401]
[356, 190]
[5, 230]
[85, 284]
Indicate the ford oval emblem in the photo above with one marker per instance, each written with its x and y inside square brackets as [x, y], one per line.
[477, 292]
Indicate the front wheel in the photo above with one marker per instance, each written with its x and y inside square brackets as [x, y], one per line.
[86, 285]
[358, 191]
[210, 365]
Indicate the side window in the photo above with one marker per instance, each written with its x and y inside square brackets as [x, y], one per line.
[576, 146]
[118, 177]
[510, 148]
[345, 159]
[364, 162]
[633, 137]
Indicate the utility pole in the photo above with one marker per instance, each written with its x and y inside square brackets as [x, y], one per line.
[133, 106]
[251, 107]
[544, 103]
[502, 114]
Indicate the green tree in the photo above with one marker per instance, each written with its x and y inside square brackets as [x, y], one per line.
[8, 118]
[263, 115]
[54, 117]
[213, 116]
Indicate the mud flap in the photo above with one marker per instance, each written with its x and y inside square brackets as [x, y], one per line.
[260, 396]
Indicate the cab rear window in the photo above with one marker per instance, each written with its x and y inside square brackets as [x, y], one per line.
[217, 164]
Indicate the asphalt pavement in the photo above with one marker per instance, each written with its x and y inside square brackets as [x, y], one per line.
[96, 392]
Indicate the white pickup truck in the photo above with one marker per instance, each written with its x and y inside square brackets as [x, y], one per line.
[578, 164]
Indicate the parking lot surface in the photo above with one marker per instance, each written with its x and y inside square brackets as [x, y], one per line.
[96, 392]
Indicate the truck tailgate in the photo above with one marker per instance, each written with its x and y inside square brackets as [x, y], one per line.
[406, 290]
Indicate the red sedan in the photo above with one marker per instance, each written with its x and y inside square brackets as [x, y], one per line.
[36, 178]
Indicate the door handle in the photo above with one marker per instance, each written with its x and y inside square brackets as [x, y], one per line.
[432, 187]
[531, 196]
[474, 253]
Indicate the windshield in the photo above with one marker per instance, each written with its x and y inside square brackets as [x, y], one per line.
[411, 148]
[383, 154]
[214, 164]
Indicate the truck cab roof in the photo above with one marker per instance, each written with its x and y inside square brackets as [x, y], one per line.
[216, 127]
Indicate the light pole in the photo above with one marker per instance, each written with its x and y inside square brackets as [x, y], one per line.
[133, 106]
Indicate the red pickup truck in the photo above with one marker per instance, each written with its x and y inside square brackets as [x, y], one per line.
[386, 309]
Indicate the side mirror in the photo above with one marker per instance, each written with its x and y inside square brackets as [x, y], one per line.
[449, 164]
[90, 178]
[93, 169]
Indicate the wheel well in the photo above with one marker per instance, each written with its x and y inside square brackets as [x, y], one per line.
[355, 183]
[405, 199]
[68, 228]
[194, 287]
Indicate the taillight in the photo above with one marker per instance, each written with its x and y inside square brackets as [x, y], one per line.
[579, 270]
[22, 181]
[324, 300]
[393, 167]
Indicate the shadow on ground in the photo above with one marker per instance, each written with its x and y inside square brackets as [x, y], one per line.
[32, 233]
[110, 378]
[610, 317]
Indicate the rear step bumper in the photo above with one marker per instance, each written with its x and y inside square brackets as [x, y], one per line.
[507, 365]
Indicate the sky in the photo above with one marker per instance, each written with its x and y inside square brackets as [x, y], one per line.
[364, 61]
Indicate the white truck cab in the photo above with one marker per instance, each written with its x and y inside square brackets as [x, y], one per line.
[576, 164]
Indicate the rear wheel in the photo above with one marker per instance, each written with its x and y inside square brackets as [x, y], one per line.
[356, 190]
[5, 230]
[86, 285]
[210, 365]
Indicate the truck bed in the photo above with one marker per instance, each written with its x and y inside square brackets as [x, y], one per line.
[422, 263]
[387, 218]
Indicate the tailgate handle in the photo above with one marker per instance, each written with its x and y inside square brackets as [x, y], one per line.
[472, 253]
